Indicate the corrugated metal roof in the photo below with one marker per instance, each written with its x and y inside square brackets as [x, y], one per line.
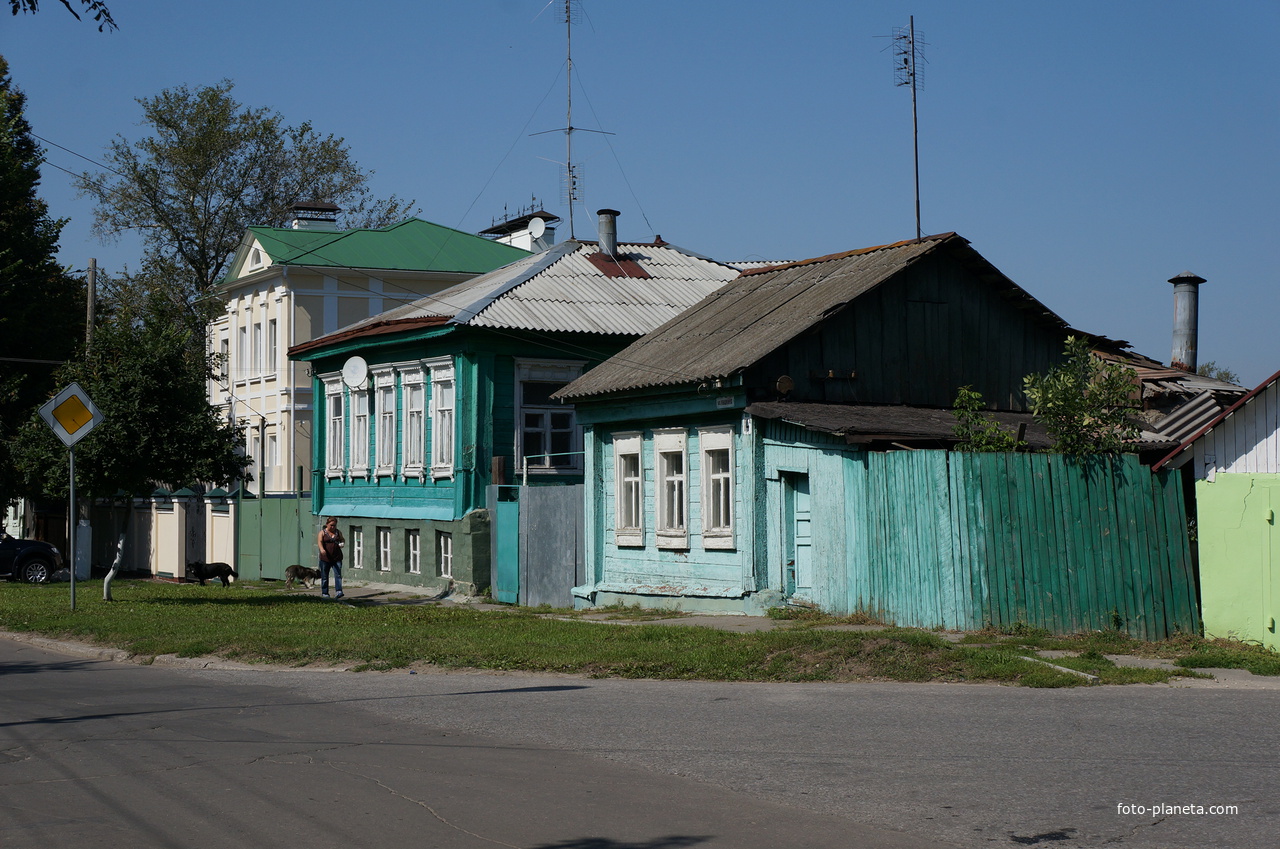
[411, 245]
[763, 309]
[561, 290]
[1190, 417]
[1245, 400]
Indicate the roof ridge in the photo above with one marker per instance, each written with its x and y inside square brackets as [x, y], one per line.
[940, 237]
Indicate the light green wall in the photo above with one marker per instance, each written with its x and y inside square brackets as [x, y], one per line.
[1238, 540]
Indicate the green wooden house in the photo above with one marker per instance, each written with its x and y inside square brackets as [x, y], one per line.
[422, 408]
[784, 441]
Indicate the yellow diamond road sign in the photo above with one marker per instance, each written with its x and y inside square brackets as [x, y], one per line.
[71, 414]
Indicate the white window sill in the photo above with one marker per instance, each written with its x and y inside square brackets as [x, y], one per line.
[718, 542]
[629, 539]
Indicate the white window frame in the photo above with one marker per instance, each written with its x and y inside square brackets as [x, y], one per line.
[273, 345]
[357, 548]
[383, 541]
[671, 487]
[548, 371]
[335, 405]
[271, 461]
[444, 420]
[628, 490]
[413, 435]
[387, 425]
[358, 453]
[444, 554]
[257, 349]
[413, 551]
[240, 371]
[717, 488]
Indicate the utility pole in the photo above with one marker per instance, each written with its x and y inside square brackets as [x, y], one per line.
[907, 54]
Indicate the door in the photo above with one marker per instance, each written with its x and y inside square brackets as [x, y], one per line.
[796, 522]
[506, 543]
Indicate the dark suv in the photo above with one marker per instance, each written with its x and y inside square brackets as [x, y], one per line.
[28, 559]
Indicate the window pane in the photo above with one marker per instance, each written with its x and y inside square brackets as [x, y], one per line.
[561, 444]
[539, 393]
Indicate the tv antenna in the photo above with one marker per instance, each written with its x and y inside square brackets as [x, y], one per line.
[906, 56]
[572, 172]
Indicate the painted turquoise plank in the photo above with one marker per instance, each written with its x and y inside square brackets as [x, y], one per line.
[506, 556]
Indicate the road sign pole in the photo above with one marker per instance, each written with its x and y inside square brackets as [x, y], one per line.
[71, 513]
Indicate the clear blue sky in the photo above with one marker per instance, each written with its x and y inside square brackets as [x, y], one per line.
[1090, 150]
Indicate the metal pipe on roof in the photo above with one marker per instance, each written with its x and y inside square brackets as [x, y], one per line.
[1186, 309]
[608, 231]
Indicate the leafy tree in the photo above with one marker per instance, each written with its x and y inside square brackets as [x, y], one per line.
[41, 321]
[1083, 402]
[1212, 369]
[975, 430]
[212, 167]
[97, 8]
[149, 378]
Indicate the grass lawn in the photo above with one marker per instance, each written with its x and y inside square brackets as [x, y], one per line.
[261, 623]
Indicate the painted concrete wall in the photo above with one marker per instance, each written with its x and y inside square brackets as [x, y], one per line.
[470, 552]
[1238, 541]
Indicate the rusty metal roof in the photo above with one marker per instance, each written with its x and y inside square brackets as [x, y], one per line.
[765, 308]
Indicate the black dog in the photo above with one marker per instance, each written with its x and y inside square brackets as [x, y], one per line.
[207, 571]
[303, 574]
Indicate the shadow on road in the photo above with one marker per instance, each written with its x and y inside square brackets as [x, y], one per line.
[672, 842]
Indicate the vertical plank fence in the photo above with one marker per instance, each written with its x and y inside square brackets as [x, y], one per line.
[963, 541]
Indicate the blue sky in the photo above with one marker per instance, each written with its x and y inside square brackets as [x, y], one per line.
[1090, 150]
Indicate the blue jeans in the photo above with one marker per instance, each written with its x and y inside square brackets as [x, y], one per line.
[325, 566]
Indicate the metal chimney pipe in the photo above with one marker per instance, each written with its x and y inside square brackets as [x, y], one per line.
[1186, 314]
[608, 231]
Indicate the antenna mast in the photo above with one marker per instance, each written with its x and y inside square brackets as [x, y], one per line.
[907, 53]
[572, 173]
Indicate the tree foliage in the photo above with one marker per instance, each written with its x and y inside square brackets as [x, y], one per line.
[211, 167]
[97, 8]
[1212, 369]
[149, 377]
[977, 431]
[1083, 403]
[43, 313]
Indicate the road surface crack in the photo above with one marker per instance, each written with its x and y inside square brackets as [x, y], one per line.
[423, 805]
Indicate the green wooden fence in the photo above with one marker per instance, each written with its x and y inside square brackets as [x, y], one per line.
[275, 532]
[945, 539]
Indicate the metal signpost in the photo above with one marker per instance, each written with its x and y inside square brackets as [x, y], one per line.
[72, 415]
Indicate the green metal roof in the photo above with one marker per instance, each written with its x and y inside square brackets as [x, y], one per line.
[411, 245]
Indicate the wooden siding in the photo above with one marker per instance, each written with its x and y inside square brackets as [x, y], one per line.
[915, 340]
[961, 541]
[650, 570]
[1247, 441]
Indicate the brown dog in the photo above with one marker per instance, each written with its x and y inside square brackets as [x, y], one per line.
[303, 574]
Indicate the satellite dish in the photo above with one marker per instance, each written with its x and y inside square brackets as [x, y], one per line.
[537, 227]
[354, 371]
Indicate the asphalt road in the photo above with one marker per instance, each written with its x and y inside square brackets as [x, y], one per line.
[96, 753]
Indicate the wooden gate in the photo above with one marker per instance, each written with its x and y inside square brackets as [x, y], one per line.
[538, 543]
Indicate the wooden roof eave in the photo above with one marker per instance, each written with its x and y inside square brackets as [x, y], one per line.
[370, 333]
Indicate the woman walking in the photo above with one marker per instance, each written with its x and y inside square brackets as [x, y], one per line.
[330, 543]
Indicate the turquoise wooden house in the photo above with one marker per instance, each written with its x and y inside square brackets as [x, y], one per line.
[422, 408]
[784, 441]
